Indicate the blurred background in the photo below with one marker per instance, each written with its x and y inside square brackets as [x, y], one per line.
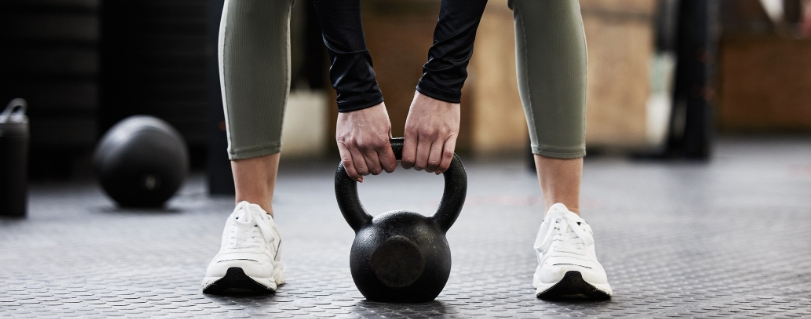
[665, 76]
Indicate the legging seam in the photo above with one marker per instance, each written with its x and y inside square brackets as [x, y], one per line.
[223, 77]
[585, 79]
[531, 111]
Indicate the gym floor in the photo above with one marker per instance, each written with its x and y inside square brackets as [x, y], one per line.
[729, 238]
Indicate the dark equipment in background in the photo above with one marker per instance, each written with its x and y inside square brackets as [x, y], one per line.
[401, 256]
[14, 159]
[691, 127]
[220, 178]
[152, 61]
[49, 55]
[141, 162]
[87, 65]
[688, 29]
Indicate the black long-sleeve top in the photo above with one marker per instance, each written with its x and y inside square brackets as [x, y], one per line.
[351, 72]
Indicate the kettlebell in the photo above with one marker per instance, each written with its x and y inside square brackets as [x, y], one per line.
[141, 162]
[14, 138]
[401, 256]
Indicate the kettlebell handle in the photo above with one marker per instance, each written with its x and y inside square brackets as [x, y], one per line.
[16, 107]
[453, 197]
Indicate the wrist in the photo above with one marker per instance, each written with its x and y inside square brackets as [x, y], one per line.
[360, 104]
[438, 94]
[428, 101]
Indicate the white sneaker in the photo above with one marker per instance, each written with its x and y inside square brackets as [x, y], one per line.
[250, 254]
[567, 264]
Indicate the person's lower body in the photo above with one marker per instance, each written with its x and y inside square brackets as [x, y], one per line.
[254, 61]
[551, 63]
[255, 77]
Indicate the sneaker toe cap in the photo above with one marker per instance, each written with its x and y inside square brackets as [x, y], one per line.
[554, 270]
[253, 266]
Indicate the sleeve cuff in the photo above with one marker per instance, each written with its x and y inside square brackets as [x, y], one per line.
[359, 104]
[438, 94]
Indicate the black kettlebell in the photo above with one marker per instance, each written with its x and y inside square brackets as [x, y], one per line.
[401, 256]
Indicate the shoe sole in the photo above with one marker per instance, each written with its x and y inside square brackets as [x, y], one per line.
[573, 286]
[236, 281]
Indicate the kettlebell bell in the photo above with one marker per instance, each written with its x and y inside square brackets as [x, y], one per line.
[401, 256]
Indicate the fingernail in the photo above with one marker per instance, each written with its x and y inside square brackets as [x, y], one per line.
[360, 180]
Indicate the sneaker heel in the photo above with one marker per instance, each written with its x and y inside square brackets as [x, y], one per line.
[278, 274]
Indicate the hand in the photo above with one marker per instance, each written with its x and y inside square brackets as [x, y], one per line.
[431, 130]
[363, 141]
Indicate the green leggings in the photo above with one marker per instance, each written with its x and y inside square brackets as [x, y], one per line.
[254, 59]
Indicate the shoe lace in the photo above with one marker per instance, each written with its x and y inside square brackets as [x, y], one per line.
[566, 235]
[251, 230]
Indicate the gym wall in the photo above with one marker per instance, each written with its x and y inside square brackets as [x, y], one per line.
[49, 57]
[153, 58]
[764, 69]
[620, 35]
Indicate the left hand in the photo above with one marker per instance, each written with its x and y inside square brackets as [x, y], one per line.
[363, 142]
[431, 130]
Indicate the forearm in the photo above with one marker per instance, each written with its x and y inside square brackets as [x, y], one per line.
[446, 70]
[351, 73]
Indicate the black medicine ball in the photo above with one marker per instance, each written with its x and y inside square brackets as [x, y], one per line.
[141, 162]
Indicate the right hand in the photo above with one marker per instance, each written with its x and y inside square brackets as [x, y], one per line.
[363, 141]
[431, 130]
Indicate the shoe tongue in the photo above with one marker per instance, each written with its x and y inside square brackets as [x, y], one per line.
[557, 208]
[242, 216]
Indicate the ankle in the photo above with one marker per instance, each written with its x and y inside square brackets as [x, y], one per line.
[268, 208]
[573, 208]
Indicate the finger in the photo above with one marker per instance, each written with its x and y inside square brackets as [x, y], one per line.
[346, 160]
[423, 149]
[409, 150]
[387, 159]
[447, 154]
[360, 162]
[435, 156]
[372, 161]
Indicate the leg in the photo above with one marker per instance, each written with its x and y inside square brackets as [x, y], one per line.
[254, 56]
[551, 69]
[560, 181]
[255, 180]
[551, 65]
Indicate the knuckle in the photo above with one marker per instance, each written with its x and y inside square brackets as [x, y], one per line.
[350, 144]
[381, 145]
[447, 153]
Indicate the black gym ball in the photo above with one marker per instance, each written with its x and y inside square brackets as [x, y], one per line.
[141, 162]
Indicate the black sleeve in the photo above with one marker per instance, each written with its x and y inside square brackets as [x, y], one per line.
[351, 72]
[446, 70]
